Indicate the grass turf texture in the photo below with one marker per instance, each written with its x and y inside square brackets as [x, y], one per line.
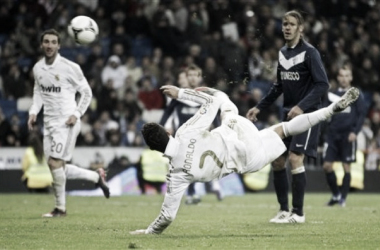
[235, 223]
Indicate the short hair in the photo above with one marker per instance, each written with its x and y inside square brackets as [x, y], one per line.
[297, 15]
[195, 68]
[50, 32]
[155, 136]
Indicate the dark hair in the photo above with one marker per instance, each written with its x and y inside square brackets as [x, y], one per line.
[50, 32]
[195, 68]
[297, 15]
[155, 136]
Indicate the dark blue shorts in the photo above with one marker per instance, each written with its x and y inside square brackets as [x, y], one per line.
[340, 149]
[305, 143]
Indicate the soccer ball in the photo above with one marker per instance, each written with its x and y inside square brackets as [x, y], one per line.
[83, 30]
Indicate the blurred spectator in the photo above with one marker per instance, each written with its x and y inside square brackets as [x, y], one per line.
[121, 38]
[14, 83]
[134, 72]
[181, 14]
[151, 170]
[36, 173]
[114, 74]
[5, 129]
[212, 72]
[150, 96]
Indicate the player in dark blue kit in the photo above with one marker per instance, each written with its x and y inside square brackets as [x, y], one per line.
[341, 138]
[179, 111]
[302, 79]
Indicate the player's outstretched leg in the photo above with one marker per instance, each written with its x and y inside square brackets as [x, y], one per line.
[99, 177]
[301, 123]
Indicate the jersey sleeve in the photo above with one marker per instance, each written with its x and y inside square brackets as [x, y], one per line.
[320, 81]
[272, 96]
[176, 186]
[81, 85]
[37, 99]
[203, 119]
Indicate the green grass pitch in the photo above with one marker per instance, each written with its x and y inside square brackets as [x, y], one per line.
[239, 222]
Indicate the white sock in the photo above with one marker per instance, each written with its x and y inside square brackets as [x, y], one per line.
[301, 123]
[59, 187]
[215, 185]
[74, 172]
[298, 170]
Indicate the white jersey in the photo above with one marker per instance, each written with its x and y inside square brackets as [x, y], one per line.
[55, 88]
[197, 154]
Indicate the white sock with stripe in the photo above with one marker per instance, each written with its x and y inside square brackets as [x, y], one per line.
[59, 187]
[74, 172]
[301, 123]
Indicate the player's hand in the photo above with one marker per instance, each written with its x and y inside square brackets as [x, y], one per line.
[170, 90]
[294, 112]
[71, 121]
[140, 231]
[31, 120]
[352, 137]
[252, 114]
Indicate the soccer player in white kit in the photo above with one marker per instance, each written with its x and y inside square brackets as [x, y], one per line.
[197, 154]
[57, 80]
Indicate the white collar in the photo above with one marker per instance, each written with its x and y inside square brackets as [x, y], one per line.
[172, 147]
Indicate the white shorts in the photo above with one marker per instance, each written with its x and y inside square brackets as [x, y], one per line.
[264, 148]
[60, 139]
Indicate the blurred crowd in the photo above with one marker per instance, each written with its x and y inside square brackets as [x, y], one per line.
[143, 44]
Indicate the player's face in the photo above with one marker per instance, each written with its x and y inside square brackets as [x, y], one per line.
[291, 30]
[344, 78]
[194, 78]
[50, 45]
[182, 80]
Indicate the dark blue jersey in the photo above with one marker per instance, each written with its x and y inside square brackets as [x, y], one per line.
[301, 77]
[349, 120]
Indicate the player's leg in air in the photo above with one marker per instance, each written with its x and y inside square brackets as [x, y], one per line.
[59, 143]
[297, 125]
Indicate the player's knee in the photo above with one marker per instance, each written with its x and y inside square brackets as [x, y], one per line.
[347, 168]
[55, 163]
[296, 159]
[327, 166]
[278, 164]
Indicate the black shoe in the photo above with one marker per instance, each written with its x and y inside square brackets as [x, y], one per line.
[55, 213]
[333, 201]
[192, 200]
[218, 195]
[102, 182]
